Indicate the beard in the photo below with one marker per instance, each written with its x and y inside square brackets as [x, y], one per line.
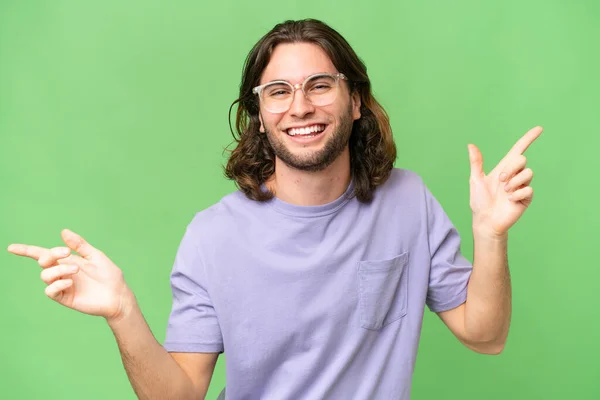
[315, 161]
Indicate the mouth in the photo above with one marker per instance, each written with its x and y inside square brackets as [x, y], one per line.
[306, 131]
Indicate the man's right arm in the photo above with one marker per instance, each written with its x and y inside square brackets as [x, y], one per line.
[91, 283]
[153, 372]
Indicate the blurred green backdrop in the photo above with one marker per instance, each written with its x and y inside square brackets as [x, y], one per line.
[113, 120]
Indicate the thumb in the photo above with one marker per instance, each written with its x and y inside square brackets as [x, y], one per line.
[77, 243]
[476, 160]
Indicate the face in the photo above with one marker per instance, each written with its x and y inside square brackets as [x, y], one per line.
[307, 137]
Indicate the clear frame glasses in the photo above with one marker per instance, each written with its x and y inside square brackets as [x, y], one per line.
[319, 89]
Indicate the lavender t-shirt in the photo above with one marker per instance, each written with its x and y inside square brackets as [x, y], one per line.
[319, 302]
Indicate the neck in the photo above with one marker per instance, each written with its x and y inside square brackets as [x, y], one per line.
[304, 188]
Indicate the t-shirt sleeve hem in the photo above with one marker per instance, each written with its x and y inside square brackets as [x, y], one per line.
[193, 347]
[449, 305]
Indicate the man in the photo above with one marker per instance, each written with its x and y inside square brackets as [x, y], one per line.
[314, 276]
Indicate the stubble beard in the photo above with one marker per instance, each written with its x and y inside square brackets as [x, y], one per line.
[315, 161]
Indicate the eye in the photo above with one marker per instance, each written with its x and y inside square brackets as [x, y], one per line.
[277, 90]
[279, 93]
[320, 84]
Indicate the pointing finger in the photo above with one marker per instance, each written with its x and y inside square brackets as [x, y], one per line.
[518, 149]
[527, 139]
[26, 250]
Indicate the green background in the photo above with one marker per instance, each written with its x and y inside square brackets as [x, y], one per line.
[113, 120]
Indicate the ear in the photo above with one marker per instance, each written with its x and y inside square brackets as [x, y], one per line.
[356, 103]
[262, 127]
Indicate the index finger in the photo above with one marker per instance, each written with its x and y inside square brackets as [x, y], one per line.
[523, 143]
[26, 250]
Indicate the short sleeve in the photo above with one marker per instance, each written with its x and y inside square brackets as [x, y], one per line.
[193, 324]
[450, 270]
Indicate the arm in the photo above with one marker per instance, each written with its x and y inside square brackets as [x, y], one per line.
[153, 372]
[92, 284]
[497, 200]
[482, 322]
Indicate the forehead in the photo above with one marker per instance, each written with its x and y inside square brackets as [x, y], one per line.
[295, 61]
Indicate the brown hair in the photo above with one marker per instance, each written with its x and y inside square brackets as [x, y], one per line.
[372, 148]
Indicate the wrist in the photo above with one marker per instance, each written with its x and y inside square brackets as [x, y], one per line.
[126, 308]
[484, 231]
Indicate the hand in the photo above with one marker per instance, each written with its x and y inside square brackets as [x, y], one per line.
[89, 282]
[500, 198]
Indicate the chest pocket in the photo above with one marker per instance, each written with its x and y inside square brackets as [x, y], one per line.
[383, 291]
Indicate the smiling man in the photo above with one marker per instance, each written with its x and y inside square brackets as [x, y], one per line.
[314, 276]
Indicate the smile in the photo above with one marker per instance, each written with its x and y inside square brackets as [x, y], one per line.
[306, 130]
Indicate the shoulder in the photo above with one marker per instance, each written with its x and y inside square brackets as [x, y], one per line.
[403, 182]
[219, 216]
[404, 177]
[402, 195]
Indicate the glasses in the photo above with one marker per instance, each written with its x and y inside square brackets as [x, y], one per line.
[319, 89]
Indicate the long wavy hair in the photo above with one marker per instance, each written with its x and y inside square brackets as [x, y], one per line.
[372, 148]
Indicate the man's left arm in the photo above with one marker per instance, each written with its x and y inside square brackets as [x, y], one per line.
[482, 322]
[497, 200]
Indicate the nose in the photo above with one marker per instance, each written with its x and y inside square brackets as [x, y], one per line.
[300, 105]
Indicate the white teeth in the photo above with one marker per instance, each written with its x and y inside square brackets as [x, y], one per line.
[306, 130]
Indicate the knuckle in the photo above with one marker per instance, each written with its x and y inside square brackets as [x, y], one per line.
[59, 252]
[81, 244]
[62, 261]
[43, 260]
[69, 260]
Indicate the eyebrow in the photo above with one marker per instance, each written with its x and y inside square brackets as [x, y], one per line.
[303, 79]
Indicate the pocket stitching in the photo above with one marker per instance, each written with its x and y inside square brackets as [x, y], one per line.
[399, 261]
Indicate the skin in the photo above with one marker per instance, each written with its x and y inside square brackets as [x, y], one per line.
[83, 278]
[497, 201]
[327, 181]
